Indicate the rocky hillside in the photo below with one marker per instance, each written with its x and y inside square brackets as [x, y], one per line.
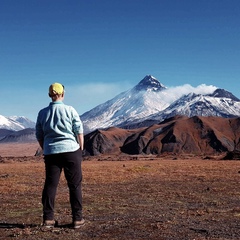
[22, 136]
[180, 134]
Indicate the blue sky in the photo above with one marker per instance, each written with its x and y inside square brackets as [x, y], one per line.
[99, 48]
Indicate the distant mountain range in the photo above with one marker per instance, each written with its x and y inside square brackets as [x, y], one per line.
[16, 129]
[148, 103]
[145, 104]
[22, 136]
[15, 123]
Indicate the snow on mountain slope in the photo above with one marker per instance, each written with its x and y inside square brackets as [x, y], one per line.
[147, 103]
[222, 105]
[25, 122]
[15, 123]
[204, 105]
[141, 101]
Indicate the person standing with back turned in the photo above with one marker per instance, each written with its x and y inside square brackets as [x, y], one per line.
[59, 132]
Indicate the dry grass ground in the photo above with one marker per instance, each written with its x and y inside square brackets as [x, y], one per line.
[129, 198]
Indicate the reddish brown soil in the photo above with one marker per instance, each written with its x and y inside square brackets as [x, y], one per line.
[125, 197]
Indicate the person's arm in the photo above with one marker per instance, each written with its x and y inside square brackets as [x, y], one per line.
[40, 143]
[39, 131]
[80, 138]
[78, 128]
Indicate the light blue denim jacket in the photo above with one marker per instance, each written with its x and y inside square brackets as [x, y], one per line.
[57, 126]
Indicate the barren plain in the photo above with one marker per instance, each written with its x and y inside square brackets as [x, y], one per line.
[124, 197]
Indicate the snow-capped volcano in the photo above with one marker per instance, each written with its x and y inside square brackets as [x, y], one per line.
[148, 102]
[149, 83]
[15, 123]
[138, 102]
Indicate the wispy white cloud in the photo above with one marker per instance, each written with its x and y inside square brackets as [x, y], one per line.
[84, 97]
[87, 96]
[173, 93]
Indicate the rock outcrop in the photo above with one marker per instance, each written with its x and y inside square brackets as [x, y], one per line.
[180, 134]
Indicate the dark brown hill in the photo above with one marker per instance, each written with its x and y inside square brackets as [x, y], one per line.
[22, 136]
[180, 135]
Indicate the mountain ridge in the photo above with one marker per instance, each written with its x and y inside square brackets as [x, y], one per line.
[15, 123]
[145, 104]
[22, 136]
[126, 106]
[177, 135]
[148, 103]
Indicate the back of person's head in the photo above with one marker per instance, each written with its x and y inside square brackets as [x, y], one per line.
[56, 90]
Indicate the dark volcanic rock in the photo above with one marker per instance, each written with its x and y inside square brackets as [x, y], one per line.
[234, 155]
[195, 135]
[25, 135]
[108, 141]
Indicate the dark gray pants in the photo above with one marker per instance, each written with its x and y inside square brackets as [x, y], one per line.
[70, 163]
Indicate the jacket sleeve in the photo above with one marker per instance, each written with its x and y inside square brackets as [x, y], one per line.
[39, 131]
[76, 123]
